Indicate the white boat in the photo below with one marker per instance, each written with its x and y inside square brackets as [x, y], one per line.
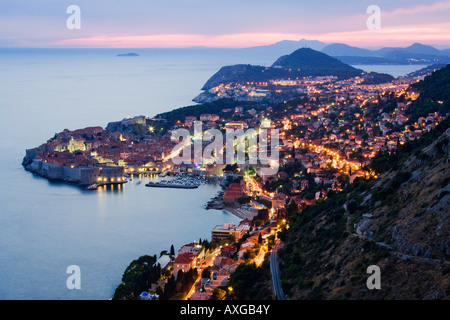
[92, 187]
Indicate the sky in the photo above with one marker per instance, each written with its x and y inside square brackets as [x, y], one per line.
[226, 23]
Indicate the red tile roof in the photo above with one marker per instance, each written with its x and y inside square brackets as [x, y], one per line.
[185, 258]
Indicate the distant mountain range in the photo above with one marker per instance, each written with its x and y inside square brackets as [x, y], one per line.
[284, 47]
[293, 45]
[414, 54]
[302, 62]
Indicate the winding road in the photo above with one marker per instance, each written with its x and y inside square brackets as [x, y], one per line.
[274, 269]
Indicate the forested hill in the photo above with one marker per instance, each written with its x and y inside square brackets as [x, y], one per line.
[434, 94]
[435, 86]
[316, 63]
[303, 62]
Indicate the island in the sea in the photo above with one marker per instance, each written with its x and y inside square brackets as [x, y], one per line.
[129, 54]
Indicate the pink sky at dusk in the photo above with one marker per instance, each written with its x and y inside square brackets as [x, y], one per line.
[395, 36]
[236, 24]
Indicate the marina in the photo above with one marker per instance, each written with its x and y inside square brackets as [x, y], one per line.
[179, 182]
[170, 185]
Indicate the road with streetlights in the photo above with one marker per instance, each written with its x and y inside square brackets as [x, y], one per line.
[274, 269]
[208, 261]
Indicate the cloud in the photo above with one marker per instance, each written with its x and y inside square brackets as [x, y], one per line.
[176, 40]
[207, 23]
[420, 9]
[438, 33]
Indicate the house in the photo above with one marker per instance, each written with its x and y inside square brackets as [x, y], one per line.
[228, 250]
[183, 262]
[249, 242]
[236, 125]
[233, 192]
[225, 230]
[245, 224]
[222, 261]
[163, 261]
[279, 201]
[313, 169]
[304, 184]
[209, 117]
[192, 248]
[220, 278]
[189, 120]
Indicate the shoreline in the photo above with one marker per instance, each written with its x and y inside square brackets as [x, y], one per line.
[237, 210]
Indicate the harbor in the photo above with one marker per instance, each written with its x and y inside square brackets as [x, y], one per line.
[179, 182]
[170, 185]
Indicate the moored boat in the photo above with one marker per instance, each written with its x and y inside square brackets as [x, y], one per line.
[171, 185]
[92, 187]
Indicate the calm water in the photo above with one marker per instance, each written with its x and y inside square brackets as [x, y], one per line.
[45, 227]
[395, 71]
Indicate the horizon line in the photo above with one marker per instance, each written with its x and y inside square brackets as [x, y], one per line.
[225, 47]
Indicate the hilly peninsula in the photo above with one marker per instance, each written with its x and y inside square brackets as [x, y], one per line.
[304, 62]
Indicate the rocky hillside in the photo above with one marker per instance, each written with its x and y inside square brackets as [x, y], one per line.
[399, 222]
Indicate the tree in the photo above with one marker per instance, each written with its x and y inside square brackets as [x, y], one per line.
[257, 222]
[172, 250]
[263, 214]
[138, 277]
[292, 208]
[206, 273]
[218, 294]
[243, 282]
[169, 289]
[205, 244]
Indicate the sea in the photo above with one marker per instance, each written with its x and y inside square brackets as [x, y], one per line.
[46, 227]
